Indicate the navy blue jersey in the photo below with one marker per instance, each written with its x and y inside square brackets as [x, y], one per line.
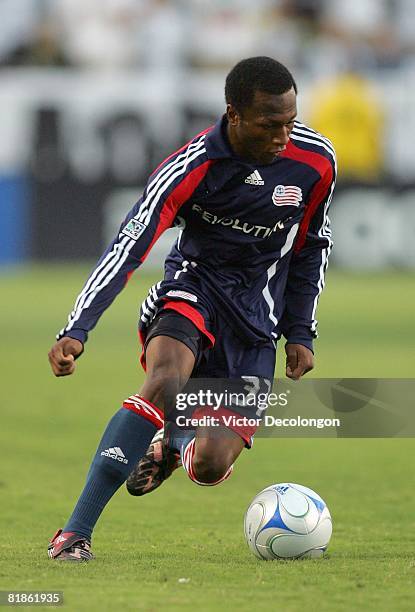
[254, 241]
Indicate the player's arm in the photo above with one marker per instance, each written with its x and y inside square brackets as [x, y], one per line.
[168, 188]
[306, 277]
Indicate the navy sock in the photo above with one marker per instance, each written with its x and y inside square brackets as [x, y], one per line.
[124, 442]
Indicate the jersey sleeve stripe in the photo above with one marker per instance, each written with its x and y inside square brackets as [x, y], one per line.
[294, 135]
[178, 196]
[326, 233]
[106, 265]
[112, 257]
[300, 128]
[319, 193]
[113, 262]
[318, 161]
[163, 178]
[105, 262]
[324, 167]
[201, 134]
[145, 216]
[272, 271]
[182, 169]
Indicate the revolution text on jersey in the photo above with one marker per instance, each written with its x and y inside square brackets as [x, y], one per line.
[254, 241]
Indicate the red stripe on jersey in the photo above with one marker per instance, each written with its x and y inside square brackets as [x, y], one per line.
[178, 196]
[320, 163]
[187, 311]
[324, 168]
[182, 149]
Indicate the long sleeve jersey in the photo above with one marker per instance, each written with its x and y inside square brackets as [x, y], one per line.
[254, 242]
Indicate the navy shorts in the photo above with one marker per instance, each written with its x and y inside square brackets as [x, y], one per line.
[221, 356]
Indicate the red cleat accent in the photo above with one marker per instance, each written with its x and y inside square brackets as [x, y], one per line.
[69, 546]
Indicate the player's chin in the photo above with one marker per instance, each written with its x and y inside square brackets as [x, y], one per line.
[268, 158]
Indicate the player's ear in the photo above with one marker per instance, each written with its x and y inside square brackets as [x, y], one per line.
[234, 118]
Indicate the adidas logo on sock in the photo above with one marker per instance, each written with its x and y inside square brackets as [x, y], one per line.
[115, 453]
[254, 179]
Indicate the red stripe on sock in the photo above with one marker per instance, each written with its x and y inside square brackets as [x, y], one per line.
[146, 409]
[188, 456]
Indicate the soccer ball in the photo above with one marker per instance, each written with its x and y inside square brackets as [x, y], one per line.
[287, 521]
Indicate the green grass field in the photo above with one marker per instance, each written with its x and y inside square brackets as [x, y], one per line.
[50, 427]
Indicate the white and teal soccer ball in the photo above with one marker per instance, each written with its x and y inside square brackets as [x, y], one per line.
[288, 521]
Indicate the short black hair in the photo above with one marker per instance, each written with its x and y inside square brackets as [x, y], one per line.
[256, 74]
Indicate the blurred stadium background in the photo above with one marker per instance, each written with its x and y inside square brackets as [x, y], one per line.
[93, 94]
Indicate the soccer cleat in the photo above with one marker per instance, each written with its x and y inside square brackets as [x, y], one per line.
[69, 547]
[155, 467]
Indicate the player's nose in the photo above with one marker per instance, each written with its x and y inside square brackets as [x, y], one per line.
[282, 138]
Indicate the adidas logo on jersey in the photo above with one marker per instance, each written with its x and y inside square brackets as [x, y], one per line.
[115, 453]
[254, 179]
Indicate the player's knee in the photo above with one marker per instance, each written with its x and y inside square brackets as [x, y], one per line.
[209, 468]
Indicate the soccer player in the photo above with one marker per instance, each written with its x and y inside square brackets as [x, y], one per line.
[251, 194]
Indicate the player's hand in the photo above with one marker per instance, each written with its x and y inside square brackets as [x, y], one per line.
[62, 356]
[300, 360]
